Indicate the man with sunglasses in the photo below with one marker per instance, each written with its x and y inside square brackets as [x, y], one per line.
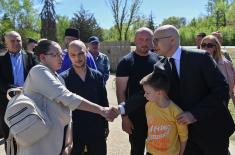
[200, 91]
[101, 59]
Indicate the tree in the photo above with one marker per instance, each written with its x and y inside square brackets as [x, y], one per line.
[112, 33]
[176, 21]
[151, 24]
[218, 9]
[124, 14]
[48, 20]
[19, 16]
[87, 24]
[231, 14]
[62, 23]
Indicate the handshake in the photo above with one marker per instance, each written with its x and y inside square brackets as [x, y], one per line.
[110, 113]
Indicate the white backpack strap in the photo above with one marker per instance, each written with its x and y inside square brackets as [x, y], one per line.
[14, 90]
[10, 145]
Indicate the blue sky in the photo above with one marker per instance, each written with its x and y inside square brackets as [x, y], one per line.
[161, 9]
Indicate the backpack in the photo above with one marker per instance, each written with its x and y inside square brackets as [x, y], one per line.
[26, 122]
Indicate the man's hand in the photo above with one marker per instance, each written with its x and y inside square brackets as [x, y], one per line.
[106, 133]
[127, 125]
[110, 113]
[186, 118]
[67, 150]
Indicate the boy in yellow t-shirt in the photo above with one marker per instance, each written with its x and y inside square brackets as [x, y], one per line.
[165, 135]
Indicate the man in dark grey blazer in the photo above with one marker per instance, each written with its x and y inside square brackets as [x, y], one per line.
[200, 91]
[14, 67]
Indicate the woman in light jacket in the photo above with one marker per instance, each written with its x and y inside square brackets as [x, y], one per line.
[212, 45]
[47, 89]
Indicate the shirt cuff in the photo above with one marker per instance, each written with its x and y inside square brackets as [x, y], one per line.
[121, 107]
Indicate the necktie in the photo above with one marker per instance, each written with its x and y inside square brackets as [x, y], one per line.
[174, 92]
[174, 70]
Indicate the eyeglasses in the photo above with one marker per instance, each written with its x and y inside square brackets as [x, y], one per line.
[54, 55]
[208, 45]
[156, 40]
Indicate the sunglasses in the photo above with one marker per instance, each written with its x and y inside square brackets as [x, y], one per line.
[156, 40]
[209, 45]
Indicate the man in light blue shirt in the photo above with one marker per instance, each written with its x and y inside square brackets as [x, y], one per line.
[14, 67]
[17, 68]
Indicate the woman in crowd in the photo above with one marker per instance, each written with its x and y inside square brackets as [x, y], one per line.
[47, 89]
[211, 44]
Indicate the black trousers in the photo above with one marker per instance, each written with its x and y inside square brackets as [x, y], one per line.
[96, 147]
[215, 146]
[137, 140]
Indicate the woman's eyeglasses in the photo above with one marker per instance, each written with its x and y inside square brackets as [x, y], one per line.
[209, 45]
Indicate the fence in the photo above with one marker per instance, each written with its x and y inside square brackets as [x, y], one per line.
[115, 51]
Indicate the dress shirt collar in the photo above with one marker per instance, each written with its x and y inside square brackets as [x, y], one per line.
[176, 56]
[15, 54]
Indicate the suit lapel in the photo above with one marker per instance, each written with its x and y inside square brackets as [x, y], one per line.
[8, 65]
[184, 69]
[25, 63]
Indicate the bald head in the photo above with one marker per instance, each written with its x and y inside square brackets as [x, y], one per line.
[77, 44]
[12, 34]
[13, 41]
[168, 30]
[144, 29]
[77, 54]
[143, 40]
[166, 40]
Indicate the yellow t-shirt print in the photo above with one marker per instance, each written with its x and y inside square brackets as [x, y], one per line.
[164, 132]
[158, 134]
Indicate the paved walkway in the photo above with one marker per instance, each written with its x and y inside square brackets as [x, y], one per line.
[118, 143]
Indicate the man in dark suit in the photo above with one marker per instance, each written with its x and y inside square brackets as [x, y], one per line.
[14, 67]
[199, 89]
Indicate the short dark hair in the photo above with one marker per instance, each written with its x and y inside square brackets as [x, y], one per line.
[201, 34]
[31, 40]
[73, 32]
[43, 47]
[158, 81]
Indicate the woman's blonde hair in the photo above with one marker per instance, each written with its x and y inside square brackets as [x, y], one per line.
[217, 54]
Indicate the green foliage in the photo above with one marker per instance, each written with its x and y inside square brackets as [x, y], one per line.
[151, 23]
[19, 16]
[62, 23]
[125, 14]
[87, 25]
[48, 20]
[112, 34]
[231, 14]
[221, 17]
[176, 21]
